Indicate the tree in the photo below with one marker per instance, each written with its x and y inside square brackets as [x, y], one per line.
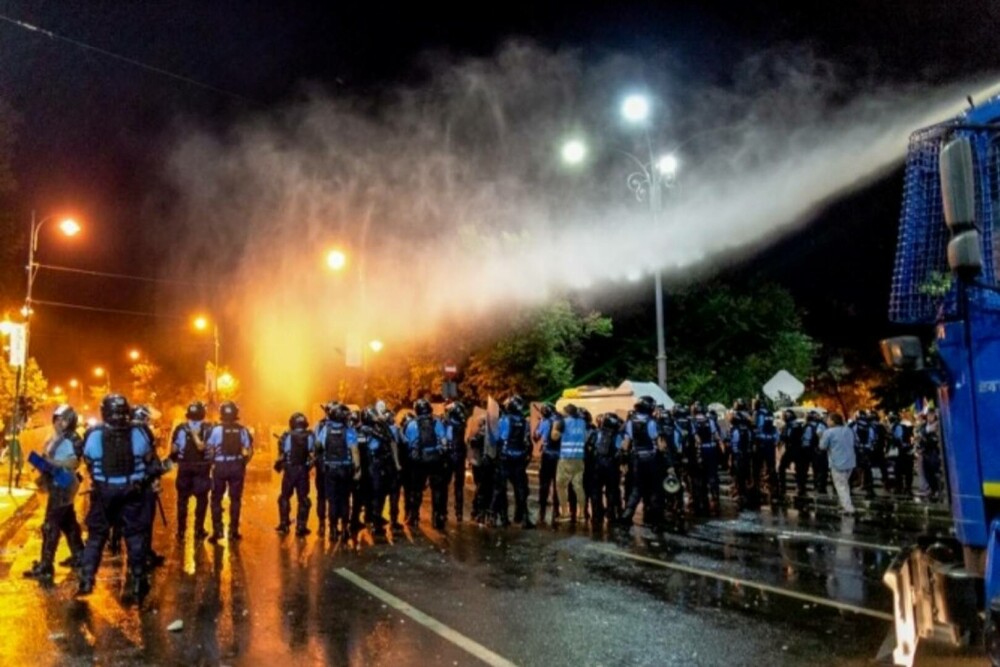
[33, 387]
[723, 341]
[537, 356]
[144, 375]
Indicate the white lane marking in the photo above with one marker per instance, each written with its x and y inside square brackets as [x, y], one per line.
[432, 624]
[736, 581]
[796, 535]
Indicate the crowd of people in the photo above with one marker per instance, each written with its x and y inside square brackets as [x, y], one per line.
[372, 467]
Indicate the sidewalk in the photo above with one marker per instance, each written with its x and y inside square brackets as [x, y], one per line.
[14, 508]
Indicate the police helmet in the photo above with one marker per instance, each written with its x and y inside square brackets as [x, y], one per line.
[611, 422]
[697, 409]
[893, 417]
[515, 405]
[341, 413]
[422, 407]
[196, 411]
[788, 416]
[548, 410]
[142, 414]
[680, 410]
[229, 412]
[330, 407]
[587, 417]
[298, 422]
[645, 405]
[456, 412]
[369, 416]
[812, 415]
[65, 419]
[115, 410]
[740, 405]
[571, 410]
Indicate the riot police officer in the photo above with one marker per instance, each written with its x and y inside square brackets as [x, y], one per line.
[120, 459]
[810, 448]
[361, 489]
[296, 447]
[230, 447]
[864, 437]
[483, 474]
[746, 485]
[901, 434]
[880, 443]
[397, 479]
[791, 455]
[321, 502]
[706, 480]
[602, 453]
[142, 418]
[548, 434]
[650, 453]
[514, 453]
[454, 433]
[339, 464]
[765, 452]
[425, 439]
[62, 483]
[569, 471]
[194, 468]
[383, 464]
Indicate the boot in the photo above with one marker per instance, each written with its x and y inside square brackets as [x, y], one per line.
[282, 528]
[85, 588]
[302, 531]
[43, 571]
[216, 537]
[74, 561]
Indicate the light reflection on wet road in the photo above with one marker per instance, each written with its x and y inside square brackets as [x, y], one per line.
[544, 597]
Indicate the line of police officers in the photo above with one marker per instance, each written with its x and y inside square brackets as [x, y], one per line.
[124, 468]
[669, 459]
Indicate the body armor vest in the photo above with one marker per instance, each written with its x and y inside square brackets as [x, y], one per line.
[232, 440]
[298, 448]
[427, 441]
[515, 435]
[335, 445]
[117, 459]
[644, 445]
[604, 447]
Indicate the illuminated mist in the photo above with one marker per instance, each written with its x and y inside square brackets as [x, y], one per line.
[450, 200]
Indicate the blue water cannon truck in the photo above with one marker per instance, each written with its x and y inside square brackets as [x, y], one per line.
[946, 275]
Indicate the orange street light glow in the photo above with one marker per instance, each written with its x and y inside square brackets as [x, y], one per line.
[99, 371]
[70, 227]
[74, 383]
[336, 260]
[134, 355]
[200, 323]
[375, 345]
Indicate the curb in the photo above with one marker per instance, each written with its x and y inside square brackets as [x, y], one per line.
[13, 523]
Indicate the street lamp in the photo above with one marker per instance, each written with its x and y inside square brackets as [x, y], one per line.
[68, 227]
[134, 355]
[375, 345]
[200, 323]
[336, 259]
[101, 372]
[646, 183]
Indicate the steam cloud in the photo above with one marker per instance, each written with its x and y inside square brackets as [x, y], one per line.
[451, 201]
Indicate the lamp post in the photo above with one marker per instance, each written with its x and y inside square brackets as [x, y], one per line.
[646, 183]
[101, 372]
[201, 324]
[69, 227]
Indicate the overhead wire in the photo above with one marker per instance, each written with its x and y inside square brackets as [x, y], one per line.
[131, 61]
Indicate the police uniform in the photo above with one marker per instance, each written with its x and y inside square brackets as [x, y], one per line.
[549, 433]
[230, 447]
[765, 451]
[117, 458]
[705, 490]
[482, 475]
[570, 469]
[746, 485]
[382, 470]
[425, 439]
[60, 515]
[643, 435]
[194, 474]
[337, 456]
[902, 440]
[454, 433]
[602, 453]
[810, 448]
[791, 440]
[296, 449]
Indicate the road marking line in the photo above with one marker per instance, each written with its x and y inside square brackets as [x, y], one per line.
[798, 536]
[687, 569]
[432, 624]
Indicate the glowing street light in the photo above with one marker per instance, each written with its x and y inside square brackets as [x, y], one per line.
[201, 323]
[57, 390]
[70, 227]
[635, 108]
[574, 152]
[375, 345]
[667, 165]
[134, 355]
[74, 383]
[101, 372]
[336, 260]
[225, 382]
[6, 326]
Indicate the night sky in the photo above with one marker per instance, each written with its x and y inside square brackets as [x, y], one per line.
[92, 130]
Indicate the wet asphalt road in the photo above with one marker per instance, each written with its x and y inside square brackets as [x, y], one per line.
[765, 589]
